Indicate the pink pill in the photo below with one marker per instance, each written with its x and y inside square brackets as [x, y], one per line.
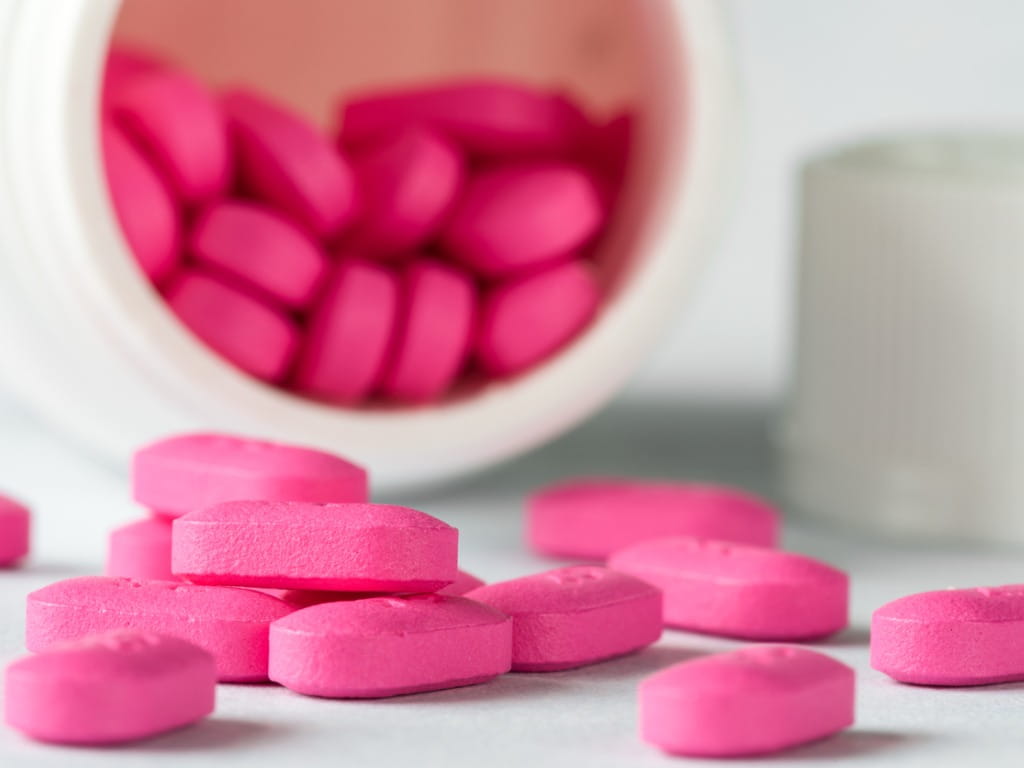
[407, 185]
[178, 123]
[349, 333]
[303, 598]
[592, 517]
[570, 617]
[753, 701]
[256, 337]
[528, 320]
[736, 590]
[285, 161]
[952, 637]
[145, 210]
[183, 473]
[15, 521]
[110, 688]
[141, 550]
[386, 646]
[298, 545]
[231, 624]
[434, 331]
[255, 247]
[464, 582]
[122, 67]
[486, 117]
[516, 218]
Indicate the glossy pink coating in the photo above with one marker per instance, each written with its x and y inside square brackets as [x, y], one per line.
[110, 688]
[182, 473]
[141, 550]
[464, 582]
[525, 321]
[737, 590]
[486, 117]
[349, 333]
[433, 334]
[15, 523]
[513, 219]
[251, 334]
[285, 161]
[754, 701]
[299, 545]
[408, 182]
[229, 623]
[590, 518]
[259, 249]
[180, 126]
[951, 637]
[144, 207]
[570, 617]
[387, 646]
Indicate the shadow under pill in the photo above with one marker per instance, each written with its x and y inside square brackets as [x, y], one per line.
[212, 734]
[851, 744]
[851, 637]
[635, 665]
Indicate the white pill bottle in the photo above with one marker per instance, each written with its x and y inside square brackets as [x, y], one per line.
[91, 347]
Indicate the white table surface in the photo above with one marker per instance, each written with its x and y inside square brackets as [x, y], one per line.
[567, 719]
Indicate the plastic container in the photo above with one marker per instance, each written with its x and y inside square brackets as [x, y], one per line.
[93, 349]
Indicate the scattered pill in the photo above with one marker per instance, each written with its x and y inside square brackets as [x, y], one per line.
[753, 701]
[15, 521]
[183, 473]
[464, 582]
[141, 550]
[110, 688]
[229, 623]
[952, 637]
[590, 518]
[386, 646]
[570, 617]
[737, 590]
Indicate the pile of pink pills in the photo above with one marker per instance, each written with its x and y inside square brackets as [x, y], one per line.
[440, 235]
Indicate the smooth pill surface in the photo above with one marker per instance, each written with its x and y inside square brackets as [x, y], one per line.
[286, 162]
[253, 335]
[183, 473]
[141, 550]
[515, 219]
[109, 688]
[592, 517]
[753, 701]
[525, 321]
[122, 66]
[386, 646]
[298, 545]
[229, 623]
[15, 522]
[570, 617]
[260, 249]
[952, 637]
[737, 590]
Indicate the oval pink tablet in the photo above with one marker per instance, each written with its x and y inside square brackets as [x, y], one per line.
[514, 219]
[464, 582]
[285, 161]
[183, 473]
[122, 67]
[736, 590]
[298, 545]
[407, 182]
[753, 701]
[487, 117]
[178, 123]
[110, 688]
[570, 617]
[526, 321]
[592, 517]
[145, 210]
[349, 333]
[252, 335]
[15, 521]
[253, 246]
[386, 646]
[433, 335]
[229, 623]
[141, 550]
[951, 637]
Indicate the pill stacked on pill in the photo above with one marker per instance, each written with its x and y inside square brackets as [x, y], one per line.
[444, 234]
